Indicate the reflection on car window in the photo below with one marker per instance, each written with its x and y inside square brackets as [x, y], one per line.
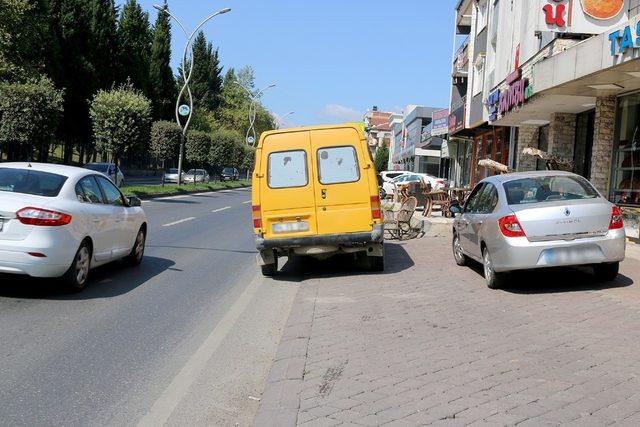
[287, 169]
[338, 165]
[111, 193]
[88, 190]
[487, 200]
[472, 202]
[548, 189]
[29, 181]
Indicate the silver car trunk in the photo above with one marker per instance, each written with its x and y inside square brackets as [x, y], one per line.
[564, 220]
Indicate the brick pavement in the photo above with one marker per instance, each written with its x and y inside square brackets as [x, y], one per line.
[429, 343]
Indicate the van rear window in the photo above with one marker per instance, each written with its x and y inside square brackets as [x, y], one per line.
[288, 169]
[338, 165]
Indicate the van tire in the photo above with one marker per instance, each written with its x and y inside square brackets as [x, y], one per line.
[270, 270]
[376, 263]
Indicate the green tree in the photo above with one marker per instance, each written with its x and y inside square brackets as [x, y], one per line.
[104, 42]
[29, 115]
[165, 140]
[134, 39]
[197, 147]
[206, 81]
[121, 120]
[71, 26]
[27, 46]
[227, 149]
[163, 84]
[381, 160]
[249, 158]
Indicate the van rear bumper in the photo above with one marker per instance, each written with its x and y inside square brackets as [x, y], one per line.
[343, 240]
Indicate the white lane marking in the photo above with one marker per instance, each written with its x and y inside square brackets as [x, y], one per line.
[247, 202]
[221, 209]
[179, 222]
[190, 372]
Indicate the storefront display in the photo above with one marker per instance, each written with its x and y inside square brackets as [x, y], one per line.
[492, 145]
[626, 167]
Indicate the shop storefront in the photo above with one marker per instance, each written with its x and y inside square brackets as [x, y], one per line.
[493, 144]
[625, 188]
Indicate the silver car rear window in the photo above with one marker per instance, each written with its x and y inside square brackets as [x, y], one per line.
[545, 189]
[26, 181]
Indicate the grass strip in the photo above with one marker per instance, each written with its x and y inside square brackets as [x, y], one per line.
[144, 191]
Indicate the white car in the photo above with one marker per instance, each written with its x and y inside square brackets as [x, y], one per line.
[436, 183]
[62, 221]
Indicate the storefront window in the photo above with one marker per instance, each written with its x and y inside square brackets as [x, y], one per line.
[626, 167]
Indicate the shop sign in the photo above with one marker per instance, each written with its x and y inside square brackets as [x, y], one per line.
[440, 122]
[554, 13]
[456, 120]
[500, 102]
[625, 39]
[582, 16]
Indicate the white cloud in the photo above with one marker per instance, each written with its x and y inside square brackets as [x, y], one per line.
[341, 112]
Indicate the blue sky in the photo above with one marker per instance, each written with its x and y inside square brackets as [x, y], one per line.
[331, 60]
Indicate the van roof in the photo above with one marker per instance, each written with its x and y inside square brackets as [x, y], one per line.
[358, 127]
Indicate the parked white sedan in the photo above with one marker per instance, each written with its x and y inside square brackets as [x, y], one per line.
[62, 221]
[436, 183]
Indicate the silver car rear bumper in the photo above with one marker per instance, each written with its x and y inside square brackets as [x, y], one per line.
[521, 254]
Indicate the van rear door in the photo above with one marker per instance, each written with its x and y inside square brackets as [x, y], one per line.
[342, 193]
[287, 188]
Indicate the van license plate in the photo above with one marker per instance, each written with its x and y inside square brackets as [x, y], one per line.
[290, 227]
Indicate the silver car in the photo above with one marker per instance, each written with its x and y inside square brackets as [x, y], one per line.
[109, 170]
[197, 175]
[538, 219]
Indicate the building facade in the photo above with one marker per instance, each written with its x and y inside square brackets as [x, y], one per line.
[562, 76]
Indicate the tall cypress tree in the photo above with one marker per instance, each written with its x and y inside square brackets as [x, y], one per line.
[206, 83]
[163, 84]
[104, 41]
[134, 40]
[78, 76]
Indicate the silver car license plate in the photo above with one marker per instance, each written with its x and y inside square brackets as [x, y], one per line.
[572, 255]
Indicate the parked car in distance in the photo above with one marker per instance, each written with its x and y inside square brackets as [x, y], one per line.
[171, 175]
[197, 175]
[230, 174]
[436, 183]
[388, 176]
[62, 221]
[315, 193]
[109, 170]
[535, 220]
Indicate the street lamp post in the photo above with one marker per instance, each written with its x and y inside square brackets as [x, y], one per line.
[254, 96]
[184, 110]
[280, 120]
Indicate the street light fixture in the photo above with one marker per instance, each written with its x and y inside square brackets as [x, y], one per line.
[251, 136]
[184, 110]
[279, 120]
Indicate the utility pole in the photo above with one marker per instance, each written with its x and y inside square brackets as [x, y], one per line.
[254, 96]
[186, 110]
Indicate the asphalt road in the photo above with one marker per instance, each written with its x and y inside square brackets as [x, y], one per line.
[138, 342]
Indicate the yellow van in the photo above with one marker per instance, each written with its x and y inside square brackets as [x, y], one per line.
[315, 193]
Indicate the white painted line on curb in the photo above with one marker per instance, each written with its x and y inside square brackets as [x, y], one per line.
[179, 222]
[191, 371]
[221, 209]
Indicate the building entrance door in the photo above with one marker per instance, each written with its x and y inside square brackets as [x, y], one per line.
[584, 143]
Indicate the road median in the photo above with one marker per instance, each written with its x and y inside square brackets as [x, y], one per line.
[148, 191]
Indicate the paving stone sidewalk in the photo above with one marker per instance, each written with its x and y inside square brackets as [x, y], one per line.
[429, 343]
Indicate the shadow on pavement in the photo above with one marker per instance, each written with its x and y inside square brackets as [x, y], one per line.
[555, 280]
[106, 281]
[176, 201]
[299, 269]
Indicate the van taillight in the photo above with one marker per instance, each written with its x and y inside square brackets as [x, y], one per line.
[42, 217]
[375, 207]
[616, 222]
[257, 217]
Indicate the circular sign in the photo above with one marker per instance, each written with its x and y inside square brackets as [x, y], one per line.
[251, 140]
[184, 110]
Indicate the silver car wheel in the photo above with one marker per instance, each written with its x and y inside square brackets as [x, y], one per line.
[488, 267]
[457, 249]
[82, 265]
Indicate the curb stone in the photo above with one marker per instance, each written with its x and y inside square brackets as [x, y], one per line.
[281, 397]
